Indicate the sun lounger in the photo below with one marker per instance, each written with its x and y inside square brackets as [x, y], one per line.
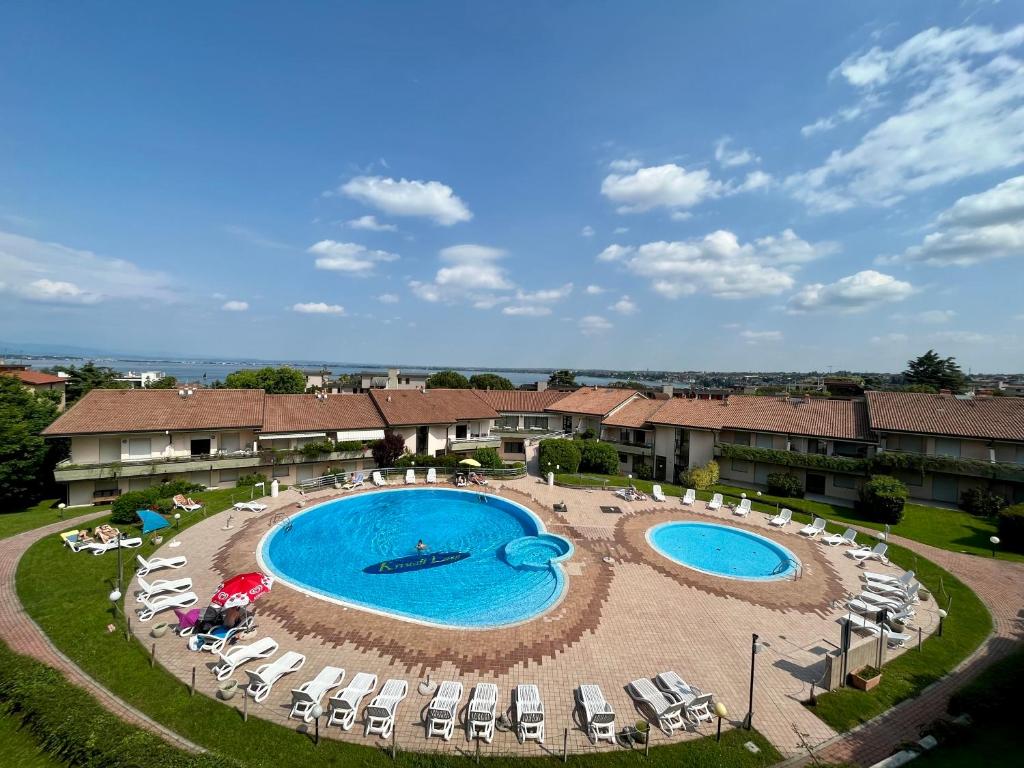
[151, 608]
[849, 537]
[886, 578]
[101, 548]
[262, 679]
[219, 638]
[180, 502]
[814, 528]
[76, 541]
[152, 588]
[784, 518]
[106, 533]
[894, 591]
[716, 501]
[153, 564]
[378, 480]
[689, 497]
[863, 554]
[410, 477]
[432, 476]
[380, 714]
[743, 508]
[696, 703]
[528, 713]
[866, 625]
[345, 702]
[442, 709]
[249, 506]
[480, 713]
[310, 693]
[478, 479]
[666, 711]
[896, 602]
[598, 715]
[657, 494]
[263, 648]
[899, 614]
[355, 482]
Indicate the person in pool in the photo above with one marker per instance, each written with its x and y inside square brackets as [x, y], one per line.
[420, 546]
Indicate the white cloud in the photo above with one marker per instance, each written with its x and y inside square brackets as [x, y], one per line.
[755, 180]
[963, 337]
[370, 224]
[854, 293]
[587, 231]
[681, 215]
[867, 104]
[403, 197]
[50, 272]
[592, 325]
[318, 308]
[621, 230]
[719, 264]
[388, 298]
[527, 310]
[730, 158]
[624, 306]
[489, 301]
[348, 257]
[545, 295]
[976, 228]
[235, 306]
[760, 337]
[936, 316]
[668, 186]
[470, 269]
[625, 166]
[890, 338]
[964, 116]
[595, 290]
[253, 237]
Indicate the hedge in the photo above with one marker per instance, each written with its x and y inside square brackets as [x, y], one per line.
[598, 457]
[882, 499]
[785, 484]
[555, 452]
[1011, 527]
[41, 699]
[700, 478]
[156, 496]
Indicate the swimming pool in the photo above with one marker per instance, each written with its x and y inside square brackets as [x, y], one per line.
[723, 551]
[361, 551]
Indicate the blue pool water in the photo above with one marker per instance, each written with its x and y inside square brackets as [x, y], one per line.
[326, 548]
[723, 551]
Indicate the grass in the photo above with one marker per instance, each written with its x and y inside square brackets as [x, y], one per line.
[67, 595]
[18, 749]
[950, 529]
[42, 513]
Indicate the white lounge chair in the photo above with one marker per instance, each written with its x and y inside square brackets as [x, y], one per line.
[598, 715]
[183, 502]
[432, 476]
[262, 679]
[696, 703]
[689, 497]
[814, 528]
[378, 480]
[355, 481]
[716, 501]
[743, 508]
[99, 548]
[151, 608]
[784, 518]
[866, 625]
[481, 712]
[528, 713]
[863, 554]
[893, 591]
[901, 615]
[380, 715]
[442, 709]
[219, 638]
[657, 494]
[345, 702]
[263, 648]
[311, 692]
[666, 711]
[903, 579]
[849, 537]
[156, 563]
[895, 602]
[249, 506]
[151, 589]
[410, 477]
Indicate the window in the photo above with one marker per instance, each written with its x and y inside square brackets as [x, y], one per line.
[230, 442]
[849, 450]
[945, 446]
[228, 476]
[844, 481]
[281, 470]
[743, 467]
[507, 422]
[623, 458]
[515, 447]
[461, 431]
[140, 448]
[200, 477]
[911, 478]
[639, 437]
[623, 435]
[535, 422]
[765, 441]
[906, 444]
[740, 438]
[110, 449]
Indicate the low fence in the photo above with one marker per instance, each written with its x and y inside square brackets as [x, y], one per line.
[504, 473]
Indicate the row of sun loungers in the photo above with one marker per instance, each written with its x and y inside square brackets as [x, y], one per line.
[897, 596]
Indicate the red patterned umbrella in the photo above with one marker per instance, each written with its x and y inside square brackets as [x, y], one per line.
[242, 589]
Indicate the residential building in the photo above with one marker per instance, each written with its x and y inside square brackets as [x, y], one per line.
[393, 379]
[630, 430]
[140, 379]
[523, 421]
[433, 421]
[37, 381]
[584, 410]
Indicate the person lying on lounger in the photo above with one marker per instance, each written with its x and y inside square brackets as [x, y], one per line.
[460, 481]
[479, 480]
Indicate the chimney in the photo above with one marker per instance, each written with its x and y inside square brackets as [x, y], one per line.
[668, 389]
[541, 386]
[393, 378]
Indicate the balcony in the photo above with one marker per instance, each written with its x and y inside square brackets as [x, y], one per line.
[791, 458]
[471, 443]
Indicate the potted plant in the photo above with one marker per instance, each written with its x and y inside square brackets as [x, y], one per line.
[227, 690]
[640, 732]
[159, 630]
[865, 679]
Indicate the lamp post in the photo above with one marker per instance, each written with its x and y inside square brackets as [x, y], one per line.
[114, 597]
[316, 712]
[942, 618]
[60, 510]
[120, 570]
[755, 648]
[721, 711]
[994, 541]
[177, 521]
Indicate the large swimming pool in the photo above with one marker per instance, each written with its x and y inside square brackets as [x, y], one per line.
[722, 550]
[488, 561]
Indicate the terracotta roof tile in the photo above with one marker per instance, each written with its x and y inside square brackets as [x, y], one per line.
[592, 401]
[301, 413]
[635, 414]
[519, 400]
[402, 407]
[155, 410]
[996, 418]
[35, 377]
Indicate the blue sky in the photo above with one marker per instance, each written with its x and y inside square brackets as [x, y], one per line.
[657, 185]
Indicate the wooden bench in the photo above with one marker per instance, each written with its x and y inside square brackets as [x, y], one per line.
[105, 497]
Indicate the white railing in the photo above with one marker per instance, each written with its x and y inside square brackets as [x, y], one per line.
[399, 472]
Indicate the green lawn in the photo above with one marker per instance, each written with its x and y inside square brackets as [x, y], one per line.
[18, 749]
[67, 594]
[14, 521]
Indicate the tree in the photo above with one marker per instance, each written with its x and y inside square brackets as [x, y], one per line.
[882, 498]
[164, 382]
[387, 450]
[488, 458]
[25, 458]
[934, 371]
[562, 379]
[557, 455]
[447, 380]
[275, 381]
[599, 457]
[489, 381]
[88, 377]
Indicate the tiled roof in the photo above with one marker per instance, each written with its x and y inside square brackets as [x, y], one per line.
[104, 411]
[592, 401]
[431, 406]
[301, 413]
[996, 418]
[817, 417]
[634, 415]
[519, 400]
[35, 377]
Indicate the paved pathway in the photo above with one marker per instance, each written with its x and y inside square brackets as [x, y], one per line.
[24, 636]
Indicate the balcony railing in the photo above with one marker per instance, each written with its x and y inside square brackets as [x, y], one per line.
[473, 442]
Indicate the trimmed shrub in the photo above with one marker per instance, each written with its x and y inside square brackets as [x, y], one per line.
[313, 450]
[445, 461]
[882, 499]
[700, 478]
[123, 509]
[981, 502]
[245, 481]
[1011, 527]
[644, 472]
[488, 458]
[348, 446]
[785, 484]
[565, 454]
[599, 457]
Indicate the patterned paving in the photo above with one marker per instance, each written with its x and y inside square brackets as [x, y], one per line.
[634, 616]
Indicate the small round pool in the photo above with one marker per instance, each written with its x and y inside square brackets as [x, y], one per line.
[488, 562]
[723, 551]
